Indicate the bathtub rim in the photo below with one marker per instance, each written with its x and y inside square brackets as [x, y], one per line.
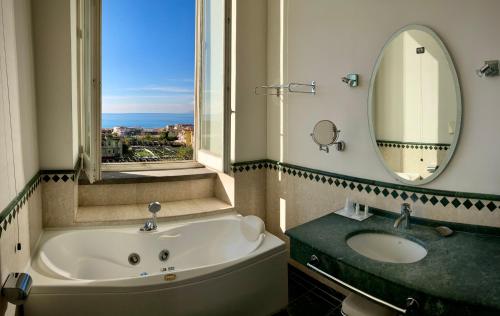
[45, 284]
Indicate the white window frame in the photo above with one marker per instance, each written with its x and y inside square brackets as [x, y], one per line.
[89, 101]
[92, 162]
[206, 157]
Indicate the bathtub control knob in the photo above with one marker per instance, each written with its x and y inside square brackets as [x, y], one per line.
[164, 254]
[134, 259]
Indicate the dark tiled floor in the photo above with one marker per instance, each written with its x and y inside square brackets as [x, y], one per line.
[308, 297]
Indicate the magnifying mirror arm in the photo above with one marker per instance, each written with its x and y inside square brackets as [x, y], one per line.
[340, 145]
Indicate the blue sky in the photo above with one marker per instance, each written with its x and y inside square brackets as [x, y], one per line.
[148, 56]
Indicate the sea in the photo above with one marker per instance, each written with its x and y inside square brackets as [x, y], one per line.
[146, 120]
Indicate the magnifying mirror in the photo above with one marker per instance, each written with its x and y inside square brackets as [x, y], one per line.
[325, 134]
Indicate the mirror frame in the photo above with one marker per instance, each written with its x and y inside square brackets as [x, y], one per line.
[458, 94]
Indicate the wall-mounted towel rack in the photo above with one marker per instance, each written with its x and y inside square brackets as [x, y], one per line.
[292, 87]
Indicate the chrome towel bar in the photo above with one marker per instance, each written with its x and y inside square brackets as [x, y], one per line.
[410, 301]
[292, 87]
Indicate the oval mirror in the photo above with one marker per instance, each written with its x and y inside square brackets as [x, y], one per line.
[415, 105]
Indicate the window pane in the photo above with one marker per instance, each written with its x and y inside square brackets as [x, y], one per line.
[147, 80]
[212, 94]
[87, 75]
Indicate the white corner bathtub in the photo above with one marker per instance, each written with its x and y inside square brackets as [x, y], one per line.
[218, 265]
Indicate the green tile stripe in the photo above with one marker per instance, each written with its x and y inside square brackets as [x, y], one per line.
[13, 208]
[477, 201]
[412, 145]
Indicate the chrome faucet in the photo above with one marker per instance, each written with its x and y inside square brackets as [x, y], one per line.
[404, 217]
[150, 224]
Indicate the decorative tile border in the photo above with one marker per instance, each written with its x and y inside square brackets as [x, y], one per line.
[12, 210]
[62, 175]
[58, 176]
[476, 201]
[412, 145]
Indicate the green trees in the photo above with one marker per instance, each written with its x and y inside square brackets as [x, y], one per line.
[185, 153]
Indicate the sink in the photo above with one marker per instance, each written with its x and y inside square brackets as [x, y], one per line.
[386, 247]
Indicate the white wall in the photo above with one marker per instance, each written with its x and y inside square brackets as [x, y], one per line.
[414, 94]
[326, 39]
[7, 183]
[21, 90]
[18, 137]
[54, 41]
[388, 93]
[248, 71]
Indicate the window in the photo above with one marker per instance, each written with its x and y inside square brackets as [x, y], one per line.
[162, 69]
[213, 78]
[148, 63]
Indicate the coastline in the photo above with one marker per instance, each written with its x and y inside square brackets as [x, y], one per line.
[145, 120]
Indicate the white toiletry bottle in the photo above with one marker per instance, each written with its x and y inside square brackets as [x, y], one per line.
[348, 205]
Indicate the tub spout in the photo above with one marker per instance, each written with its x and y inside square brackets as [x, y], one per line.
[150, 224]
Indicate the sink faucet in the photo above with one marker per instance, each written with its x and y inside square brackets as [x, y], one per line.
[405, 216]
[150, 224]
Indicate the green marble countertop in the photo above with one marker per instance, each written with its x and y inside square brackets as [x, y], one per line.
[462, 269]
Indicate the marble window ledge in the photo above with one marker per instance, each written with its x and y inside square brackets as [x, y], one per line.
[150, 176]
[137, 213]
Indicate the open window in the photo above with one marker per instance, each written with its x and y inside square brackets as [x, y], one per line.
[153, 84]
[213, 78]
[89, 69]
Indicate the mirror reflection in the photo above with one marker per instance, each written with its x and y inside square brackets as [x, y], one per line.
[415, 105]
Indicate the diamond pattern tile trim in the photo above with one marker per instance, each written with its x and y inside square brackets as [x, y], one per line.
[395, 191]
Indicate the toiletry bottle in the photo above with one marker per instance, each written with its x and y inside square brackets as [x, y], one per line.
[348, 205]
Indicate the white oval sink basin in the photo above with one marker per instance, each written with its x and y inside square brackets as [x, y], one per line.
[386, 247]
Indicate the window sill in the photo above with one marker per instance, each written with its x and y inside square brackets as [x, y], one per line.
[150, 176]
[145, 166]
[137, 213]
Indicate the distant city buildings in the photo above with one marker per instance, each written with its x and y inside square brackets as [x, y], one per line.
[179, 127]
[183, 132]
[111, 147]
[128, 144]
[185, 136]
[122, 131]
[152, 131]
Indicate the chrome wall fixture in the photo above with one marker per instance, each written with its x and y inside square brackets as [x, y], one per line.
[292, 87]
[17, 287]
[489, 69]
[325, 134]
[351, 79]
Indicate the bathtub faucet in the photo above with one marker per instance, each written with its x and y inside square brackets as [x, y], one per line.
[150, 224]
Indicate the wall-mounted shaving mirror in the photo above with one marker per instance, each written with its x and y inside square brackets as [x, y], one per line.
[415, 105]
[325, 134]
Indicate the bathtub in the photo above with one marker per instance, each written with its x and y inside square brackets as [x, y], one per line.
[218, 265]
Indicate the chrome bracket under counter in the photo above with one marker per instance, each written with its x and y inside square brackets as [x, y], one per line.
[411, 307]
